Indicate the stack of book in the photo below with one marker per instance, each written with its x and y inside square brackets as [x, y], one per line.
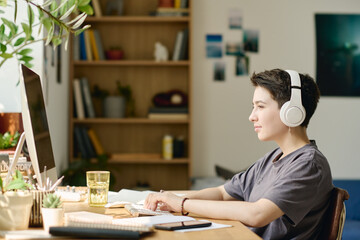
[178, 8]
[174, 113]
[88, 46]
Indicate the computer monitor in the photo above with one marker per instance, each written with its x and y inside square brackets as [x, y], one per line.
[36, 126]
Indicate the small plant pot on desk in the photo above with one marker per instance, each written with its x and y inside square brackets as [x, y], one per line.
[15, 208]
[52, 217]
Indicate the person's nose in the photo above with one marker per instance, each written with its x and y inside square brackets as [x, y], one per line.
[252, 117]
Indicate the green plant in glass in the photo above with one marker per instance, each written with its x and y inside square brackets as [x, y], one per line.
[52, 16]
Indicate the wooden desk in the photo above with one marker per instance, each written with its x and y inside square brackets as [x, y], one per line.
[238, 231]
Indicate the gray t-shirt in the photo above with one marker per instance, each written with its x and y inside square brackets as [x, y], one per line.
[299, 184]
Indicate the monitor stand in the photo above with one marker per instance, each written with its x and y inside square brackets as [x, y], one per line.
[15, 160]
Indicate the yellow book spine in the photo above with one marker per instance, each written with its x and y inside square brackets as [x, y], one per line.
[177, 3]
[94, 48]
[96, 142]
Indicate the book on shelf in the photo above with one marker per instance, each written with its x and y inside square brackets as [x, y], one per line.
[76, 48]
[184, 4]
[82, 47]
[80, 113]
[99, 44]
[89, 53]
[168, 116]
[183, 55]
[86, 97]
[171, 12]
[83, 143]
[99, 149]
[181, 45]
[177, 3]
[79, 144]
[177, 46]
[93, 45]
[97, 8]
[168, 110]
[90, 151]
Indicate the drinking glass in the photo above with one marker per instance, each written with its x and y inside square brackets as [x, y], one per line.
[98, 187]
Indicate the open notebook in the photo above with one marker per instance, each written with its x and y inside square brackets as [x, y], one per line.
[96, 220]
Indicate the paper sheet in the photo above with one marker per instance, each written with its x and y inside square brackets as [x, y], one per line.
[26, 234]
[149, 221]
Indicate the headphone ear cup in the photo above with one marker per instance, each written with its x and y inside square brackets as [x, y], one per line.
[283, 112]
[292, 115]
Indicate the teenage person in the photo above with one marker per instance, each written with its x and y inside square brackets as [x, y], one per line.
[283, 195]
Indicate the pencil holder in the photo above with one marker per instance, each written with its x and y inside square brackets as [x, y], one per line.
[35, 216]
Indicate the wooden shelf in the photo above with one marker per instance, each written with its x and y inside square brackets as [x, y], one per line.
[136, 19]
[144, 158]
[134, 144]
[127, 121]
[140, 63]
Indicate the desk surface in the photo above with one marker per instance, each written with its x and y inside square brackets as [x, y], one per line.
[238, 231]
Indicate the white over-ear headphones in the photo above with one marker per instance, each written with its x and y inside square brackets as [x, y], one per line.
[292, 113]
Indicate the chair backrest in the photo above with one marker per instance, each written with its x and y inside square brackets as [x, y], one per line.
[335, 216]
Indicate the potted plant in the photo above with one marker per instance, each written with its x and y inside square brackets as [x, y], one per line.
[8, 140]
[52, 211]
[52, 16]
[15, 203]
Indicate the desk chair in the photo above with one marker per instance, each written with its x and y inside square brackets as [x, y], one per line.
[335, 215]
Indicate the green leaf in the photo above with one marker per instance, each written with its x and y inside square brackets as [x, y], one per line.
[19, 41]
[56, 41]
[11, 25]
[1, 185]
[87, 9]
[23, 52]
[16, 184]
[3, 47]
[77, 32]
[3, 3]
[31, 16]
[46, 23]
[82, 3]
[29, 65]
[27, 29]
[26, 58]
[6, 55]
[15, 12]
[50, 34]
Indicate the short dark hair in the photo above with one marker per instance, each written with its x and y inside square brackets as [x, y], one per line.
[278, 82]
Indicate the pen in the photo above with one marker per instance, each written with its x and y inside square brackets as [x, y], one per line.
[56, 183]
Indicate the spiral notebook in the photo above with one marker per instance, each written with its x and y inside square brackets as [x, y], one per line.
[85, 219]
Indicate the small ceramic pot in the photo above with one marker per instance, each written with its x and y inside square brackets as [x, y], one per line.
[52, 217]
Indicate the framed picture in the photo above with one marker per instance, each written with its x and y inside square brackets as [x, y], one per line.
[338, 54]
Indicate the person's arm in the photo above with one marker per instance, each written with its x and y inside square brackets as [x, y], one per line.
[215, 193]
[256, 214]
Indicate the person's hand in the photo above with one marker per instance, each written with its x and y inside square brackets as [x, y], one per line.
[166, 200]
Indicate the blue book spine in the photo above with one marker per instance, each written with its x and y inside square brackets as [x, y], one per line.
[83, 55]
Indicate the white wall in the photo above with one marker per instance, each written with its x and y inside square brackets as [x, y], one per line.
[222, 133]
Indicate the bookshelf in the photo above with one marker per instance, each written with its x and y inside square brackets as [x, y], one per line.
[134, 144]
